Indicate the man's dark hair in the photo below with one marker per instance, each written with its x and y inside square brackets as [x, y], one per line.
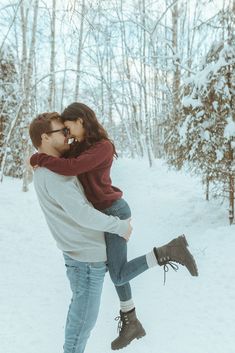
[41, 125]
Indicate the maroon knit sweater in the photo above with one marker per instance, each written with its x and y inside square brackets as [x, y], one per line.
[92, 168]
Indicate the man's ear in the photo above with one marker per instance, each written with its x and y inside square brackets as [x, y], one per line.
[45, 137]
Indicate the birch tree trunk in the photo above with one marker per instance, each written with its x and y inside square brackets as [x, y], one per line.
[101, 67]
[51, 98]
[144, 84]
[231, 85]
[27, 108]
[79, 53]
[63, 87]
[127, 77]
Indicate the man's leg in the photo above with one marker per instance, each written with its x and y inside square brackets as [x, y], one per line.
[86, 281]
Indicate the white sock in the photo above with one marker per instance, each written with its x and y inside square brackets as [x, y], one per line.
[127, 305]
[151, 259]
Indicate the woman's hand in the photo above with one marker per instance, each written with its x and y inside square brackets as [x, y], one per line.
[27, 163]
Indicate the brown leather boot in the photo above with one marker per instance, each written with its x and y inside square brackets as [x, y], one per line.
[176, 251]
[129, 329]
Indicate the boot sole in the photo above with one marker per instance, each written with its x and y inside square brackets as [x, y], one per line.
[137, 337]
[184, 242]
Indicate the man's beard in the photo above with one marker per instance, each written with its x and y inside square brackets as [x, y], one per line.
[61, 149]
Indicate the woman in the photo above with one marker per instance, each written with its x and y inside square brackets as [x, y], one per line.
[91, 158]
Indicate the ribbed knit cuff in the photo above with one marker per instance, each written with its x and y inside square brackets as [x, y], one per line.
[127, 306]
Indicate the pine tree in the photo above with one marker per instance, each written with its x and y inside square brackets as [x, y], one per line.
[8, 108]
[204, 133]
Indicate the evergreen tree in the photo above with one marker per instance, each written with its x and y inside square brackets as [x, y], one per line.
[203, 136]
[8, 107]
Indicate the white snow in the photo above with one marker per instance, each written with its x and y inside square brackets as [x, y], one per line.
[188, 101]
[200, 114]
[201, 79]
[187, 315]
[215, 105]
[206, 135]
[229, 130]
[219, 155]
[183, 129]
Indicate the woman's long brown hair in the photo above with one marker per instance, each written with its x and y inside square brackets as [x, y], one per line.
[94, 131]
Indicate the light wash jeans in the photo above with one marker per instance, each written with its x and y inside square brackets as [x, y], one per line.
[122, 271]
[86, 282]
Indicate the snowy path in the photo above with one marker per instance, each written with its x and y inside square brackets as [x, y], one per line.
[187, 315]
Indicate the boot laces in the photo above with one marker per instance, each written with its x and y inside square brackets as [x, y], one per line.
[166, 268]
[121, 323]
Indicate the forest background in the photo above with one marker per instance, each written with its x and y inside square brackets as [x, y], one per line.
[160, 76]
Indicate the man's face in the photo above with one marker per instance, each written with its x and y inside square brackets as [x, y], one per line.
[57, 140]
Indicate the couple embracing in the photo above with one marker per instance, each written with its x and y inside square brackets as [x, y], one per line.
[90, 221]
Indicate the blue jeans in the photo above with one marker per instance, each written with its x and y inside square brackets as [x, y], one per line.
[122, 271]
[86, 282]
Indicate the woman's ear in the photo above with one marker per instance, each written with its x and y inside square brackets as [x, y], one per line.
[80, 120]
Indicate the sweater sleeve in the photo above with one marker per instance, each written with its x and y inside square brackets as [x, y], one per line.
[85, 162]
[67, 194]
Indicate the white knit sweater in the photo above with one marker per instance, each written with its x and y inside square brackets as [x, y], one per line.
[74, 223]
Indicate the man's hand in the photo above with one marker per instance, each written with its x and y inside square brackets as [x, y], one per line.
[129, 230]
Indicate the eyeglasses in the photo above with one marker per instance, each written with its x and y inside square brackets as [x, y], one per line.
[64, 131]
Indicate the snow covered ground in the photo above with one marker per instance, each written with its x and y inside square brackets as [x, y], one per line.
[187, 315]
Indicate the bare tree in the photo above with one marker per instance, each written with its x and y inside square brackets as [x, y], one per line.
[79, 52]
[51, 99]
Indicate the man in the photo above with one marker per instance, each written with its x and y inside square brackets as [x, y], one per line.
[78, 230]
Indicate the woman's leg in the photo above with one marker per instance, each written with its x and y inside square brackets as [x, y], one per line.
[131, 327]
[115, 261]
[122, 271]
